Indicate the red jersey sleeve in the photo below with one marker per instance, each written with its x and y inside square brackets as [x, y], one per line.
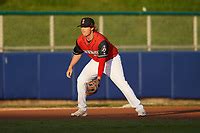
[101, 66]
[103, 50]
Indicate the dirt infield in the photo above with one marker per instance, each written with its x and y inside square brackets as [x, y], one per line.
[154, 112]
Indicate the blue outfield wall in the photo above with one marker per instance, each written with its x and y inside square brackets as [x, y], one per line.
[20, 75]
[150, 74]
[156, 74]
[53, 83]
[186, 76]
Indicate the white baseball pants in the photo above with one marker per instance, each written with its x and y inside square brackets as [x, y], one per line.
[113, 69]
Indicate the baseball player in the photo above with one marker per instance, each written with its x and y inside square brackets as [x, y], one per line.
[104, 59]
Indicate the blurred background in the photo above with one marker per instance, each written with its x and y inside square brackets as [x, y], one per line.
[129, 24]
[159, 41]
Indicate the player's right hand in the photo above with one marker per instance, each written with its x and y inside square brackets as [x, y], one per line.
[69, 72]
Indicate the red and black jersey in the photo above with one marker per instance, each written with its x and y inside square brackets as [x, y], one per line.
[99, 49]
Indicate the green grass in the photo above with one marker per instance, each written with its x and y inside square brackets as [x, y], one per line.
[120, 30]
[172, 30]
[25, 30]
[100, 5]
[60, 104]
[125, 30]
[102, 126]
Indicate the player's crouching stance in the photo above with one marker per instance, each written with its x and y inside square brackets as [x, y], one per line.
[104, 59]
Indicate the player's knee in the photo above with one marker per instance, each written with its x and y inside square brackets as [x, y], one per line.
[80, 80]
[118, 80]
[121, 83]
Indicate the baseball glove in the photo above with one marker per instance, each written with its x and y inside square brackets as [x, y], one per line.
[92, 87]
